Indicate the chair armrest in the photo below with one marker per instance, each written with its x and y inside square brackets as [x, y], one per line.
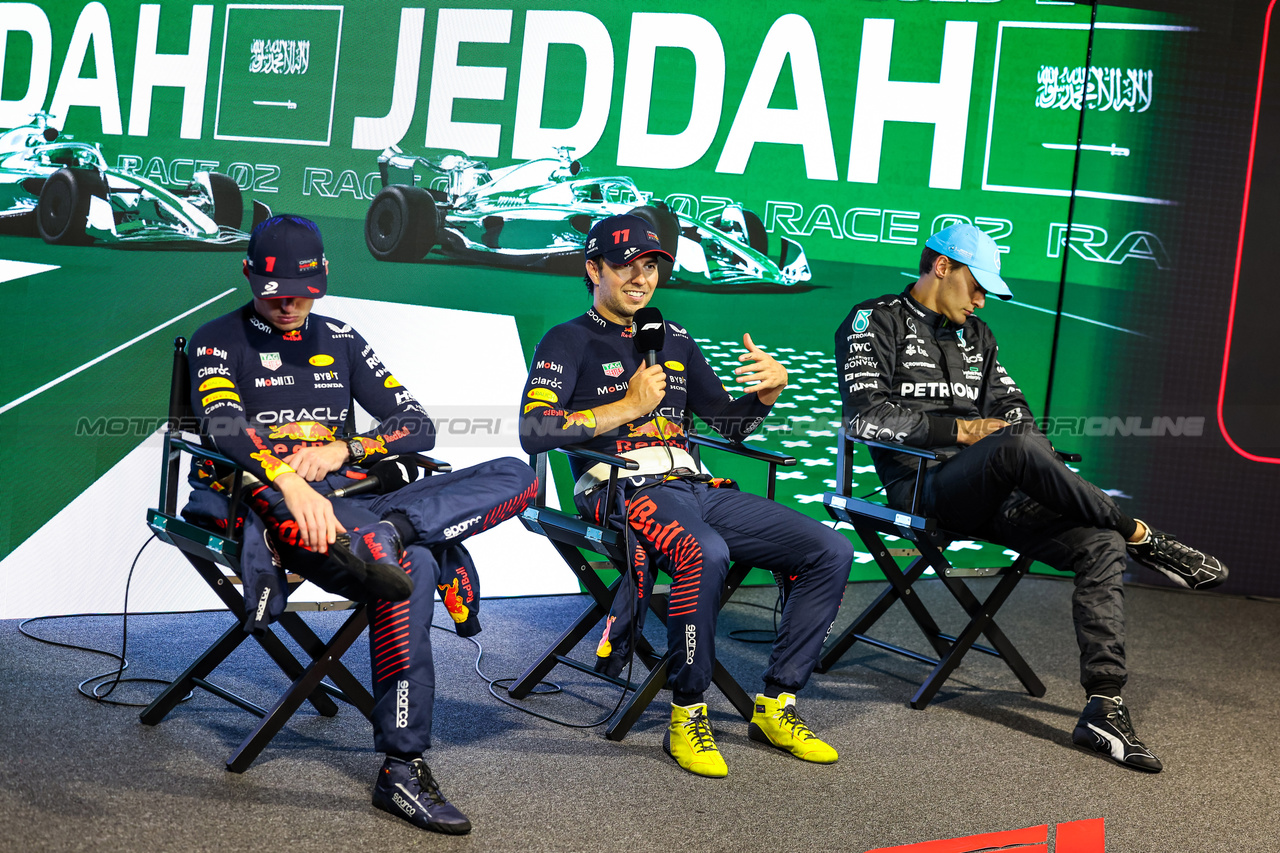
[759, 454]
[596, 456]
[428, 463]
[844, 462]
[894, 446]
[199, 450]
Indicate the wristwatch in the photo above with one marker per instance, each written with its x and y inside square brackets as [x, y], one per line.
[355, 449]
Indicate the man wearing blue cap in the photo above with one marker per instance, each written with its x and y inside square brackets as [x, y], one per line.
[589, 385]
[919, 368]
[273, 385]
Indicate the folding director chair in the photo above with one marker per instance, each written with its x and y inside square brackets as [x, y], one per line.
[215, 556]
[870, 521]
[569, 532]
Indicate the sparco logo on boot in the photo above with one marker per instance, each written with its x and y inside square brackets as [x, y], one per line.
[403, 804]
[457, 529]
[402, 703]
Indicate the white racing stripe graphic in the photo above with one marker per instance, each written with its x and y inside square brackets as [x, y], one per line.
[11, 270]
[1119, 745]
[46, 386]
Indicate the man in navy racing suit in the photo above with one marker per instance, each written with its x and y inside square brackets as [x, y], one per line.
[273, 383]
[919, 368]
[588, 385]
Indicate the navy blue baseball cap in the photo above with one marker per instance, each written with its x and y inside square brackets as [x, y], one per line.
[622, 239]
[974, 248]
[286, 259]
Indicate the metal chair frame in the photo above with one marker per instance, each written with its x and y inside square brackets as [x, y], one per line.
[216, 558]
[570, 535]
[871, 521]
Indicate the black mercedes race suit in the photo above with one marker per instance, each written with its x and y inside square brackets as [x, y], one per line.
[263, 394]
[690, 530]
[907, 375]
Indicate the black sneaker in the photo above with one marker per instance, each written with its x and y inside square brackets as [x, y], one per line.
[1104, 726]
[1182, 564]
[407, 789]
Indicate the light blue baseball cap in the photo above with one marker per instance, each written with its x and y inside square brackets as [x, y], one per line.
[975, 249]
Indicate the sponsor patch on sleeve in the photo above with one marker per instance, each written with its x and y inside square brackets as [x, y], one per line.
[543, 394]
[216, 382]
[220, 395]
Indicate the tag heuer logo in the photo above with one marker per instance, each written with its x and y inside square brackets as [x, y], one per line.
[861, 320]
[271, 360]
[613, 368]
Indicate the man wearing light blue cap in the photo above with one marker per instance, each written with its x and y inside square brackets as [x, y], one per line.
[919, 368]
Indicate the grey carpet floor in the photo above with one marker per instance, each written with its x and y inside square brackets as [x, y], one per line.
[984, 757]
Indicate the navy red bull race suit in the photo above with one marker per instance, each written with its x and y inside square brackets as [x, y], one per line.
[691, 530]
[262, 394]
[908, 374]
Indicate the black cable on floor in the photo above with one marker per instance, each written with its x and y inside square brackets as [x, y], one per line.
[116, 674]
[496, 683]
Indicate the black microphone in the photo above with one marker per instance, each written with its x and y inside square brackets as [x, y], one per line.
[386, 475]
[649, 333]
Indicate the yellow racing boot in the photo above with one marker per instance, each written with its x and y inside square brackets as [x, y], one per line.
[690, 743]
[776, 723]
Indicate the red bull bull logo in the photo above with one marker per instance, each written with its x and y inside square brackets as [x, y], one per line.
[453, 602]
[301, 431]
[659, 428]
[373, 445]
[273, 466]
[586, 419]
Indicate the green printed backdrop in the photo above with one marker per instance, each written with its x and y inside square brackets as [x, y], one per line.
[855, 129]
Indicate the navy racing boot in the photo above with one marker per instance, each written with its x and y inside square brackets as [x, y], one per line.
[407, 790]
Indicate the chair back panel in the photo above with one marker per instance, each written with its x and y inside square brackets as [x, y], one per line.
[180, 410]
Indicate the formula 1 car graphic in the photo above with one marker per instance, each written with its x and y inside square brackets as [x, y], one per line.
[65, 191]
[536, 215]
